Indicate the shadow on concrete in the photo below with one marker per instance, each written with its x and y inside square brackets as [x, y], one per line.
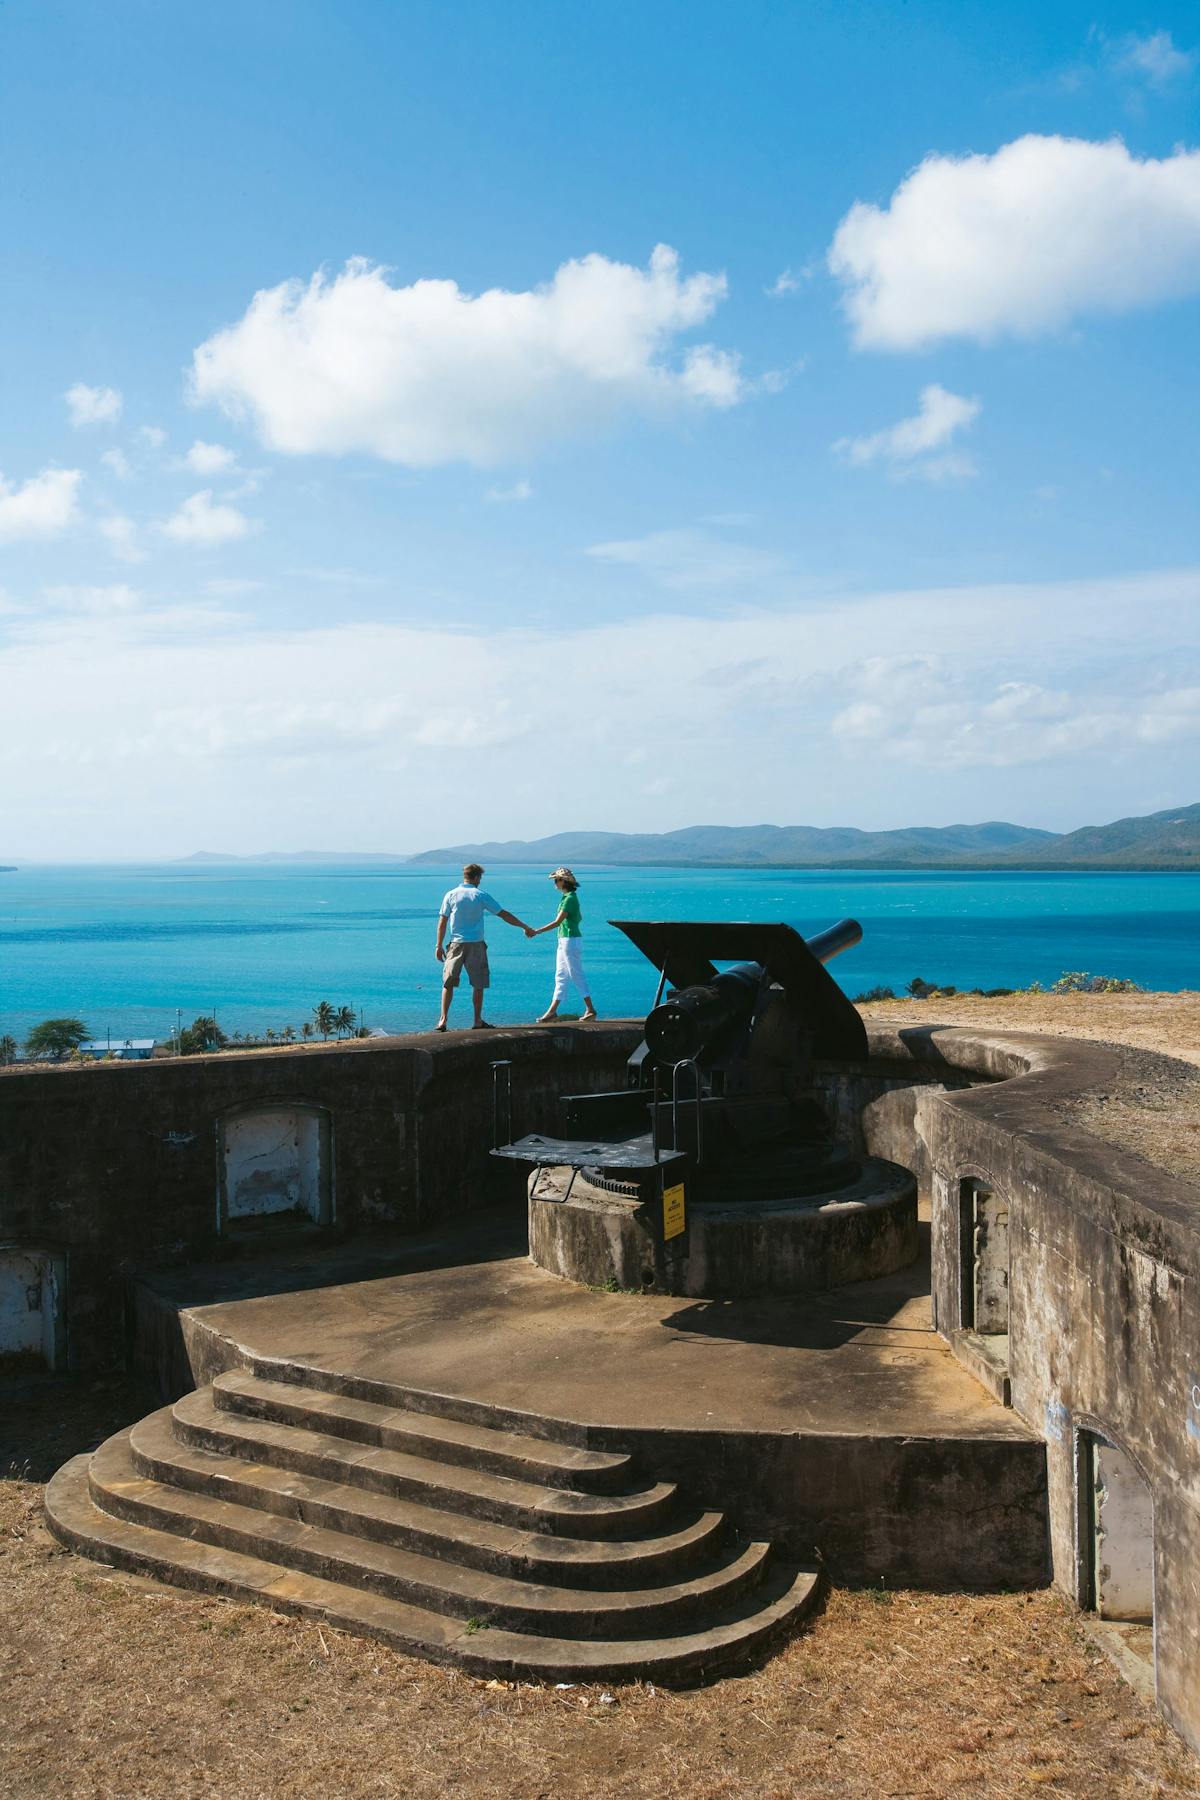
[492, 1234]
[867, 1311]
[921, 1040]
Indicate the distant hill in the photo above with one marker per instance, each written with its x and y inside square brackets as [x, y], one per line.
[1165, 840]
[1162, 840]
[782, 846]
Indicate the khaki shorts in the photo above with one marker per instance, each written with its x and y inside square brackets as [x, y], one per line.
[471, 958]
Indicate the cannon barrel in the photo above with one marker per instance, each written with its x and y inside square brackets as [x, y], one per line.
[694, 1019]
[830, 943]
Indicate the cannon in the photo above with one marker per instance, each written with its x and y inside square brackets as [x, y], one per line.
[717, 1170]
[703, 1013]
[719, 1090]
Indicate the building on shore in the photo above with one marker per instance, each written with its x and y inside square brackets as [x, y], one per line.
[123, 1049]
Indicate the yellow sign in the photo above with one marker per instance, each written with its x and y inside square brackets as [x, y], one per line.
[674, 1217]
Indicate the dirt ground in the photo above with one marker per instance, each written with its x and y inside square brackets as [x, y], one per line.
[115, 1687]
[1153, 1107]
[111, 1687]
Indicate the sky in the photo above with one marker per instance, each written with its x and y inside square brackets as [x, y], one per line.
[425, 424]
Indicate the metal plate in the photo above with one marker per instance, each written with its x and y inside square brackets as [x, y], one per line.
[579, 1153]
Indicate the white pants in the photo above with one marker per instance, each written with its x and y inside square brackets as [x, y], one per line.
[568, 968]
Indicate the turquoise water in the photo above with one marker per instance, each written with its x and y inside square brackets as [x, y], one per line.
[124, 947]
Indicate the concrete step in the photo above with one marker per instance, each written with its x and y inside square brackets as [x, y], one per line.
[426, 1434]
[326, 1380]
[438, 1584]
[450, 1487]
[741, 1627]
[504, 1549]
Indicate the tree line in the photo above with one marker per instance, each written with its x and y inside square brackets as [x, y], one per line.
[55, 1040]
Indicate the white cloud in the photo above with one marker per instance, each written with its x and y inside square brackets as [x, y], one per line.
[206, 522]
[520, 490]
[95, 601]
[154, 435]
[93, 405]
[1019, 242]
[929, 715]
[428, 374]
[907, 447]
[41, 507]
[713, 376]
[1154, 59]
[169, 722]
[209, 459]
[232, 587]
[789, 281]
[118, 462]
[679, 560]
[121, 535]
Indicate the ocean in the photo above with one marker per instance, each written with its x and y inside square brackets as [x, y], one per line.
[126, 948]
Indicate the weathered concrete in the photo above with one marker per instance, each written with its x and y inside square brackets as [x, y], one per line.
[1104, 1305]
[839, 1422]
[115, 1167]
[584, 1234]
[419, 1530]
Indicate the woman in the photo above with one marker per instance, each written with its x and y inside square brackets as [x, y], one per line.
[568, 964]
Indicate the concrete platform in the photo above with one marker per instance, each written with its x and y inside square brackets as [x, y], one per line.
[838, 1422]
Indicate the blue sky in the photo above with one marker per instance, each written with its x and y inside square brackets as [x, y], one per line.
[874, 503]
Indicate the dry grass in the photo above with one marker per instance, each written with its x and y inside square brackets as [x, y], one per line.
[115, 1687]
[1168, 1023]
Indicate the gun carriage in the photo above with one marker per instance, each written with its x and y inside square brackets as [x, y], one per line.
[717, 1169]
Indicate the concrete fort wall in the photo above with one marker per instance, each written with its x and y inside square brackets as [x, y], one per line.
[1065, 1272]
[112, 1169]
[1098, 1274]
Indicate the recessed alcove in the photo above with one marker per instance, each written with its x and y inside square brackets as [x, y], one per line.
[275, 1168]
[1117, 1530]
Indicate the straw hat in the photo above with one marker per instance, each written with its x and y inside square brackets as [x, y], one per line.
[563, 874]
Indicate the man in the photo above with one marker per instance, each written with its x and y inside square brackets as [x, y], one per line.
[463, 911]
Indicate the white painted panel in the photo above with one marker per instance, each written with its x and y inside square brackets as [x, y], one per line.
[29, 1306]
[273, 1163]
[1124, 1528]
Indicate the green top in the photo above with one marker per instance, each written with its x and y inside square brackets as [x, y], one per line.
[570, 909]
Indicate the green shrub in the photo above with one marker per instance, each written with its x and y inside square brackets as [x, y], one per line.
[1078, 981]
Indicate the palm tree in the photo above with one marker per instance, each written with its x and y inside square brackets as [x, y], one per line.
[306, 1029]
[270, 1034]
[326, 1018]
[288, 1034]
[8, 1048]
[343, 1020]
